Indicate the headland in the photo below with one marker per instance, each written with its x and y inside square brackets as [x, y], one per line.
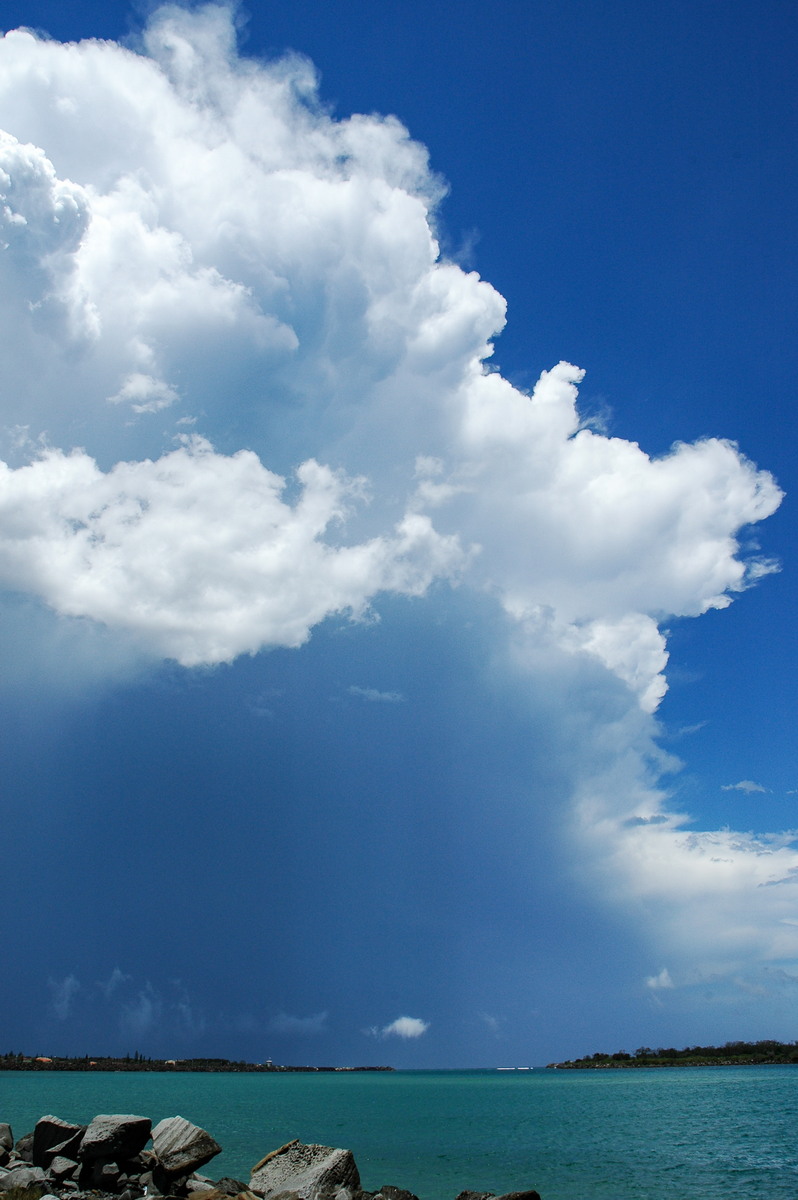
[731, 1054]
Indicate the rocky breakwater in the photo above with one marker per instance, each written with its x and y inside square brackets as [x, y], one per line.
[110, 1157]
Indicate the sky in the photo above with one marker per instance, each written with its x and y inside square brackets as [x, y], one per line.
[397, 529]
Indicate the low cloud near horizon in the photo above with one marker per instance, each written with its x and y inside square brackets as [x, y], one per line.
[407, 1028]
[312, 1025]
[245, 395]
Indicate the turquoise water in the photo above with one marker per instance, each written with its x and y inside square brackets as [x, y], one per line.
[714, 1133]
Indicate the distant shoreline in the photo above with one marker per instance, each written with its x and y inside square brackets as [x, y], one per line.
[731, 1054]
[20, 1062]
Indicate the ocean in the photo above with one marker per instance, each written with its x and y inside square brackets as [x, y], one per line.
[702, 1133]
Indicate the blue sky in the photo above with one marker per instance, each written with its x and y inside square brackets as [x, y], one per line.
[369, 694]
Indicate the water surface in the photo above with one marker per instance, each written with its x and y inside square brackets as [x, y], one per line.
[710, 1133]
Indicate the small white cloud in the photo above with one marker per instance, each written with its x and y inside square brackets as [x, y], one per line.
[375, 697]
[494, 1024]
[284, 1023]
[114, 980]
[144, 393]
[781, 977]
[663, 980]
[143, 1013]
[748, 987]
[262, 704]
[688, 730]
[745, 785]
[405, 1027]
[189, 1019]
[63, 992]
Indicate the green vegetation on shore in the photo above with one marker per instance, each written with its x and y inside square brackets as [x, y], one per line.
[731, 1054]
[139, 1062]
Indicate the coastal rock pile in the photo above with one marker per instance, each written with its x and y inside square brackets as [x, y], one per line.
[109, 1158]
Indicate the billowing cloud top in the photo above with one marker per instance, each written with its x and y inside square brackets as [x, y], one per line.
[193, 248]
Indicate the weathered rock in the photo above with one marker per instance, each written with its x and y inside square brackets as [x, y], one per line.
[21, 1177]
[474, 1195]
[526, 1195]
[310, 1171]
[396, 1193]
[115, 1136]
[138, 1163]
[216, 1193]
[64, 1168]
[105, 1175]
[273, 1154]
[24, 1148]
[6, 1137]
[52, 1137]
[181, 1147]
[230, 1187]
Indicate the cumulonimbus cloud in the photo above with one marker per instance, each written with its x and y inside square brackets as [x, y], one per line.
[188, 239]
[182, 225]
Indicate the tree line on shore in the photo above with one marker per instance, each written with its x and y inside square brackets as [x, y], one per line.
[729, 1054]
[15, 1061]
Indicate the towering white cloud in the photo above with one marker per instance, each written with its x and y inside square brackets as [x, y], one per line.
[189, 236]
[189, 241]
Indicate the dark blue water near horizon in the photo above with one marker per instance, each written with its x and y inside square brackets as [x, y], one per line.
[686, 1133]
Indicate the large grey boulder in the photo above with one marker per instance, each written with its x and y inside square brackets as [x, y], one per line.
[21, 1177]
[310, 1171]
[52, 1137]
[114, 1136]
[64, 1168]
[6, 1137]
[23, 1147]
[181, 1147]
